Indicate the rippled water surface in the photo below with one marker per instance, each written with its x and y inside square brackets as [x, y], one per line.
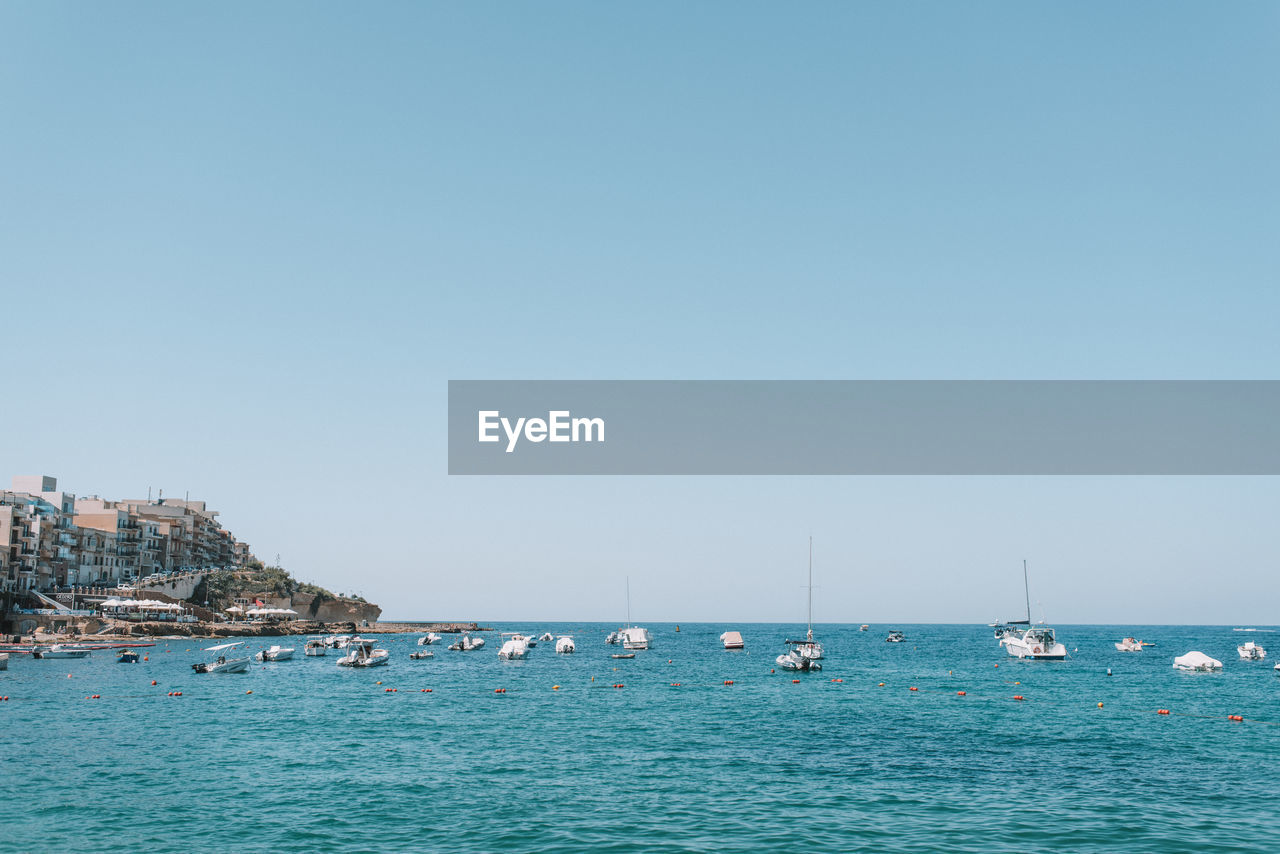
[322, 758]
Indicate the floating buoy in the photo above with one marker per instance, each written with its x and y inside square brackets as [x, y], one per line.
[426, 690]
[1162, 711]
[1229, 717]
[959, 693]
[619, 685]
[1017, 683]
[178, 694]
[153, 681]
[795, 681]
[676, 684]
[1108, 671]
[914, 688]
[730, 681]
[881, 684]
[1099, 705]
[146, 658]
[770, 669]
[1018, 697]
[248, 692]
[837, 680]
[997, 665]
[377, 683]
[555, 687]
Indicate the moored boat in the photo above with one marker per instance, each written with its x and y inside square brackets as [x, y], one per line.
[428, 639]
[59, 650]
[732, 640]
[1251, 651]
[1037, 644]
[1197, 661]
[564, 644]
[466, 643]
[222, 664]
[315, 647]
[895, 636]
[275, 653]
[1129, 645]
[514, 648]
[422, 655]
[361, 653]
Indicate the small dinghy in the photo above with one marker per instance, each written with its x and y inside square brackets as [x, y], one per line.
[1129, 645]
[315, 647]
[466, 643]
[428, 639]
[623, 655]
[565, 644]
[127, 656]
[546, 637]
[361, 653]
[421, 656]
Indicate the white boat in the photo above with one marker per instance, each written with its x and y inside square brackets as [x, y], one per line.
[633, 637]
[808, 649]
[361, 653]
[895, 636]
[1037, 644]
[337, 641]
[514, 648]
[4, 661]
[466, 643]
[58, 650]
[547, 637]
[863, 627]
[732, 640]
[1129, 645]
[315, 647]
[564, 644]
[222, 664]
[1251, 651]
[797, 658]
[275, 653]
[1197, 661]
[424, 654]
[613, 638]
[428, 639]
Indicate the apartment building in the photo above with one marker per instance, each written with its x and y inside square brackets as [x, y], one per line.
[51, 539]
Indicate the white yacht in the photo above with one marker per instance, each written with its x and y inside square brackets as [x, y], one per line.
[275, 653]
[361, 653]
[733, 640]
[1129, 645]
[1197, 661]
[514, 648]
[1036, 643]
[547, 637]
[564, 644]
[633, 637]
[428, 639]
[1251, 651]
[466, 643]
[337, 641]
[222, 664]
[808, 649]
[315, 647]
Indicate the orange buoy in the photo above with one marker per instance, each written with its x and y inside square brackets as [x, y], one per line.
[795, 681]
[1229, 717]
[148, 658]
[914, 688]
[881, 684]
[959, 693]
[1018, 697]
[1099, 705]
[837, 680]
[728, 681]
[770, 669]
[555, 687]
[1162, 711]
[676, 684]
[153, 681]
[248, 692]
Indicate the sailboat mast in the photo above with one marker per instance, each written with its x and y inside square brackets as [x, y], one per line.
[810, 588]
[1026, 589]
[629, 602]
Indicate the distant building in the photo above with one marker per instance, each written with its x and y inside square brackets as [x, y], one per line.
[51, 539]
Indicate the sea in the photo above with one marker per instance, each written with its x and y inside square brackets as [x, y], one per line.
[686, 747]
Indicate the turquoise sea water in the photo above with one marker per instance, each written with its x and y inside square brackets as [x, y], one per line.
[322, 758]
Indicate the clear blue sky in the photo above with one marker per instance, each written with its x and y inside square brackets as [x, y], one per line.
[243, 247]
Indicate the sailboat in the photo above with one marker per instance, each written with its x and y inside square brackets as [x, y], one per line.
[1036, 642]
[633, 637]
[803, 654]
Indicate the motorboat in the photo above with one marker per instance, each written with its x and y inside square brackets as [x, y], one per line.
[127, 656]
[797, 658]
[466, 643]
[275, 653]
[809, 649]
[895, 636]
[1197, 661]
[564, 644]
[732, 640]
[222, 664]
[633, 637]
[428, 639]
[361, 653]
[58, 650]
[1007, 628]
[423, 654]
[1129, 645]
[863, 627]
[1037, 643]
[315, 647]
[613, 638]
[1251, 651]
[514, 648]
[623, 655]
[547, 637]
[337, 641]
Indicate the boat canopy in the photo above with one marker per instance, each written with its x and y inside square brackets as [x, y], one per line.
[222, 646]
